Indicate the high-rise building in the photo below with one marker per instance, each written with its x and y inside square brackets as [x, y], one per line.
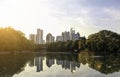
[73, 35]
[76, 36]
[72, 32]
[32, 37]
[49, 38]
[39, 36]
[59, 38]
[66, 36]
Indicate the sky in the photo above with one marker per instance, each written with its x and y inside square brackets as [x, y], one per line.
[56, 16]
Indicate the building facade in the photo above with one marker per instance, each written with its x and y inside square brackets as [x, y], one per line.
[75, 36]
[72, 32]
[66, 36]
[32, 37]
[39, 36]
[59, 38]
[49, 38]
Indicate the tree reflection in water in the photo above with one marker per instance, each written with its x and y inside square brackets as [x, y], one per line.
[104, 64]
[14, 64]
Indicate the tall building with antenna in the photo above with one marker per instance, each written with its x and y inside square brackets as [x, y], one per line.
[72, 32]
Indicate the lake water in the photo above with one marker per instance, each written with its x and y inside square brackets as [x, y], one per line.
[58, 65]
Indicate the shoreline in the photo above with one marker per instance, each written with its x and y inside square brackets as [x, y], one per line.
[39, 52]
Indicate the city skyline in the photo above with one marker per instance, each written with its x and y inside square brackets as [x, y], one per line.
[37, 38]
[54, 17]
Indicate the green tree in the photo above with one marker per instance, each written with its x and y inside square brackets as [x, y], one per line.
[104, 42]
[14, 40]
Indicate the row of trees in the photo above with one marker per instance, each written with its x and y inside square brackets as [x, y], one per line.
[65, 46]
[103, 42]
[14, 40]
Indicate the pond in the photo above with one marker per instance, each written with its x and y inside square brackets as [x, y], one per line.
[58, 65]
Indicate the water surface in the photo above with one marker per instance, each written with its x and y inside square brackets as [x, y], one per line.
[58, 65]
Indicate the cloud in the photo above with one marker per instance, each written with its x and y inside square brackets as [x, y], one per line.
[109, 19]
[85, 16]
[113, 13]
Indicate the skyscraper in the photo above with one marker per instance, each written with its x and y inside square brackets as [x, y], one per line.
[72, 32]
[49, 38]
[39, 36]
[76, 36]
[66, 36]
[32, 37]
[59, 38]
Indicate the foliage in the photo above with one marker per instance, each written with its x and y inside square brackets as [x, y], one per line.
[56, 46]
[13, 40]
[104, 42]
[82, 43]
[64, 46]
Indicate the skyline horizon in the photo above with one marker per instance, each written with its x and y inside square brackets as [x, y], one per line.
[44, 35]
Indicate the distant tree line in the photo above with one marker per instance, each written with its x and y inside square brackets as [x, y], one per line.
[103, 42]
[14, 40]
[65, 46]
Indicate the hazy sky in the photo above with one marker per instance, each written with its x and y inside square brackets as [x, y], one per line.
[56, 16]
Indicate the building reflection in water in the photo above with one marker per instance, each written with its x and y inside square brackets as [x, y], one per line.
[65, 64]
[50, 62]
[39, 63]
